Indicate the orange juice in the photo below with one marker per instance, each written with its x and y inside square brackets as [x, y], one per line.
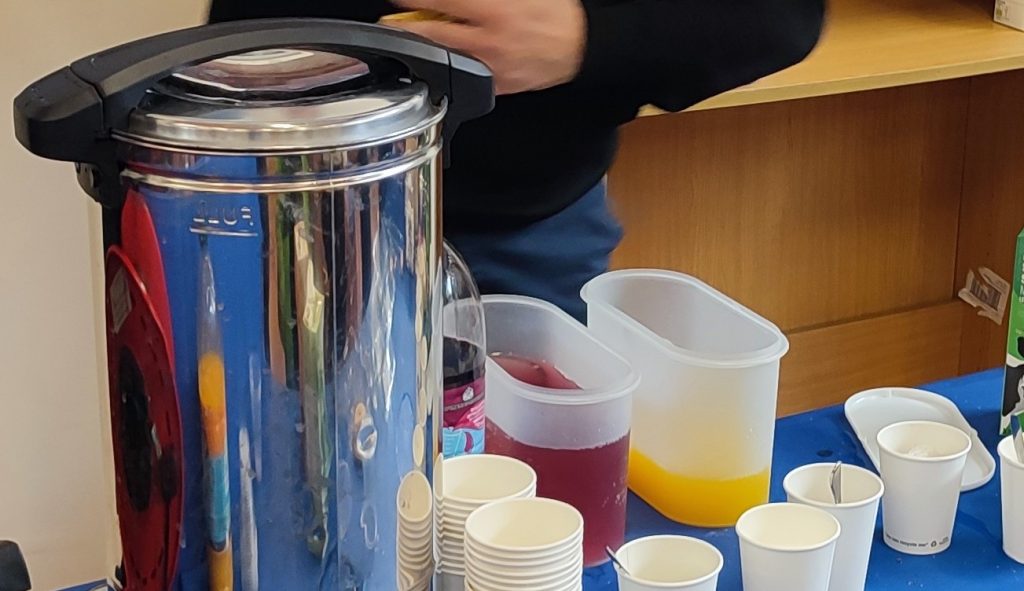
[696, 501]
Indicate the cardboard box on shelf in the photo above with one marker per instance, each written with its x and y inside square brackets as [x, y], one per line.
[1010, 13]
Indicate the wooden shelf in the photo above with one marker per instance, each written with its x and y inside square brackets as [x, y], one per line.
[871, 44]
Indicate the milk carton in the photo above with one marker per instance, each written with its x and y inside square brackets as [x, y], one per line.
[1013, 389]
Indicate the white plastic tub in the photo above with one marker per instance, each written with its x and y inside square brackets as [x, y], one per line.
[704, 413]
[576, 439]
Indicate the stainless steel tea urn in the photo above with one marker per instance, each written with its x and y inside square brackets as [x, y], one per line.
[272, 231]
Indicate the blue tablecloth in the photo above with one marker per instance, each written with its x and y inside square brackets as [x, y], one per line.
[975, 560]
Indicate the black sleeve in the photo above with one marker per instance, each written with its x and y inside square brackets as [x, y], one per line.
[676, 53]
[358, 10]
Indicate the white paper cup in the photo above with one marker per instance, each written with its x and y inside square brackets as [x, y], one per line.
[452, 560]
[468, 483]
[438, 478]
[523, 575]
[414, 554]
[566, 584]
[562, 582]
[531, 543]
[787, 546]
[525, 526]
[437, 487]
[1012, 483]
[415, 571]
[414, 578]
[574, 587]
[525, 579]
[539, 559]
[669, 562]
[509, 563]
[857, 514]
[415, 501]
[416, 548]
[415, 540]
[415, 530]
[413, 581]
[922, 465]
[472, 480]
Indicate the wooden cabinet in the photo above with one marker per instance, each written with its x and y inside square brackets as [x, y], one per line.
[846, 198]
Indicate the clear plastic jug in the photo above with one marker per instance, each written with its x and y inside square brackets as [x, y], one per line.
[577, 440]
[704, 413]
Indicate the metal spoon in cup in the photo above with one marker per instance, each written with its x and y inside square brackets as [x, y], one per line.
[615, 560]
[836, 483]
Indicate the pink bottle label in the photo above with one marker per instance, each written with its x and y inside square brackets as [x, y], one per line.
[464, 419]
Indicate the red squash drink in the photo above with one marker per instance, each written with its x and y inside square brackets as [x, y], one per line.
[561, 402]
[592, 480]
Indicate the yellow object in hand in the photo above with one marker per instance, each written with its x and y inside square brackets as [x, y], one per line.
[416, 15]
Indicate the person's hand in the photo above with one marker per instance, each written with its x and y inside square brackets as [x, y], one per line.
[527, 44]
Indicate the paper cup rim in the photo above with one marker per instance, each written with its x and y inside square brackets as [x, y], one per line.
[852, 505]
[659, 584]
[557, 569]
[416, 551]
[744, 536]
[566, 582]
[408, 525]
[1008, 453]
[532, 573]
[568, 574]
[410, 479]
[453, 505]
[571, 544]
[539, 558]
[455, 500]
[925, 459]
[453, 560]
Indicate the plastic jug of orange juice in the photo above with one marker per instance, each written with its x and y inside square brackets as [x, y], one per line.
[704, 413]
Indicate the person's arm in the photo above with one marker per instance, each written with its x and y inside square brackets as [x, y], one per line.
[672, 53]
[675, 53]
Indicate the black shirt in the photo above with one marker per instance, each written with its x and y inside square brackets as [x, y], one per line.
[538, 152]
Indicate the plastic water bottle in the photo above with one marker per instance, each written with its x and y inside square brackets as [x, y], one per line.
[464, 359]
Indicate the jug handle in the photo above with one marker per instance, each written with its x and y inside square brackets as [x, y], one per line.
[70, 114]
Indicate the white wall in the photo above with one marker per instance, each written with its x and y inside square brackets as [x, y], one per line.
[55, 492]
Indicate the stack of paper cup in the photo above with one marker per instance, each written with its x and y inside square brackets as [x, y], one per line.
[517, 544]
[415, 533]
[468, 483]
